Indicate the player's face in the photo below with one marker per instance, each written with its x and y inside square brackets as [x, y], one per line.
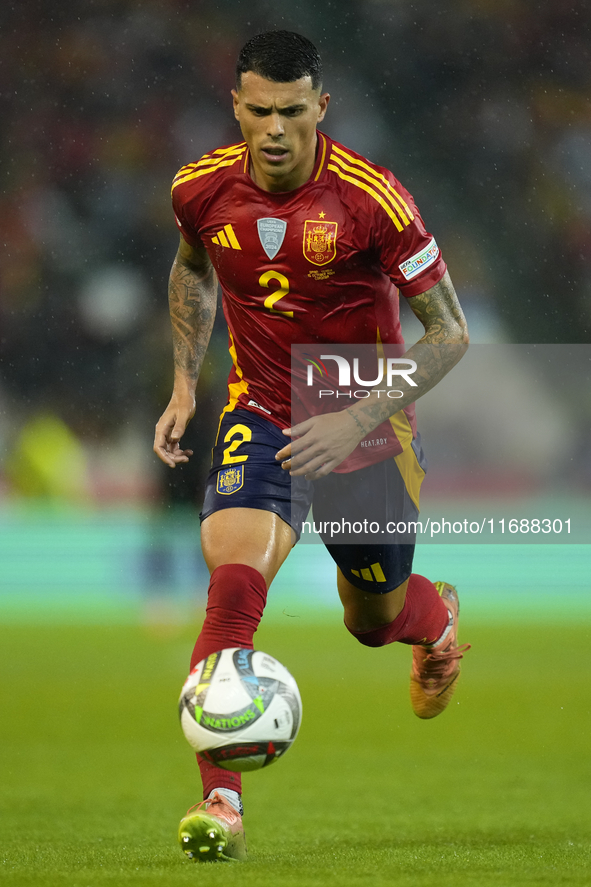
[278, 122]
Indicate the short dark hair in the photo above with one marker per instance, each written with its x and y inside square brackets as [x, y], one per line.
[281, 56]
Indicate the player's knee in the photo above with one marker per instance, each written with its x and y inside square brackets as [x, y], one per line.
[374, 637]
[370, 633]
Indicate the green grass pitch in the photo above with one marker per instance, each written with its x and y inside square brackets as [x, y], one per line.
[95, 773]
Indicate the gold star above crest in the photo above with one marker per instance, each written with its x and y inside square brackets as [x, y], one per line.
[321, 215]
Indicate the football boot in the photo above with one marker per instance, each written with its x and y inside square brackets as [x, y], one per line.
[436, 667]
[212, 831]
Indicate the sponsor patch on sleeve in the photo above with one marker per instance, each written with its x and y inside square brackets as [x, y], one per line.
[417, 263]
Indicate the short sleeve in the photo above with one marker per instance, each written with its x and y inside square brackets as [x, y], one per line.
[408, 253]
[178, 204]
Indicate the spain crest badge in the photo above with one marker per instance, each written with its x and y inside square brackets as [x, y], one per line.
[320, 241]
[230, 479]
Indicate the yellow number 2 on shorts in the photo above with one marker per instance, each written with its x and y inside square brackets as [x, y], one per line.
[238, 434]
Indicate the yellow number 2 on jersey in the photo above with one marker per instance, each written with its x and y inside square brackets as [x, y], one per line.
[274, 297]
[240, 434]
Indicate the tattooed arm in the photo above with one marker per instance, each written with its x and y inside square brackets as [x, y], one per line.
[436, 353]
[192, 298]
[328, 439]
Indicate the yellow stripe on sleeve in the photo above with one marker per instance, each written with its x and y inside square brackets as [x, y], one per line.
[369, 190]
[204, 172]
[377, 175]
[232, 149]
[376, 184]
[210, 159]
[189, 167]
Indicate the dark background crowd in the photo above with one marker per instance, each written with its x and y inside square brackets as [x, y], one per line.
[480, 107]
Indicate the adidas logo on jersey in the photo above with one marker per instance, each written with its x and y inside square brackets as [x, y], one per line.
[227, 238]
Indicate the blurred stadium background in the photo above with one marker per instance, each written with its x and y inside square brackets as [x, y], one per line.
[480, 108]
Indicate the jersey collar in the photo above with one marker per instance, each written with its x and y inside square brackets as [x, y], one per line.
[319, 165]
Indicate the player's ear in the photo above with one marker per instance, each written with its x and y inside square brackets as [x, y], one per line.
[235, 103]
[323, 105]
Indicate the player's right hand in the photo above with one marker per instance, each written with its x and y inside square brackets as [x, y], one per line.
[170, 429]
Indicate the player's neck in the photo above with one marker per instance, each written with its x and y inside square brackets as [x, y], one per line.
[296, 177]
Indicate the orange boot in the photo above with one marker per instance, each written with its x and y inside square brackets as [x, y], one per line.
[212, 831]
[436, 667]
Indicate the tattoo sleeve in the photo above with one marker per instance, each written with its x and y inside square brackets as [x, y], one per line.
[436, 353]
[192, 299]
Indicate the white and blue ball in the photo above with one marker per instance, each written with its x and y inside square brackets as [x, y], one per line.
[240, 709]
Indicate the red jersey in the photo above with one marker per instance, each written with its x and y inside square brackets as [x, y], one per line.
[319, 264]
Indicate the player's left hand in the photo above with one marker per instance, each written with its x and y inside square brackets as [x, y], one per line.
[319, 444]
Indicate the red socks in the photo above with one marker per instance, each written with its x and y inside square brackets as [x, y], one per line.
[423, 618]
[235, 603]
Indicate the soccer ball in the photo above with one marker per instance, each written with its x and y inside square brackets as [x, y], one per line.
[240, 709]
